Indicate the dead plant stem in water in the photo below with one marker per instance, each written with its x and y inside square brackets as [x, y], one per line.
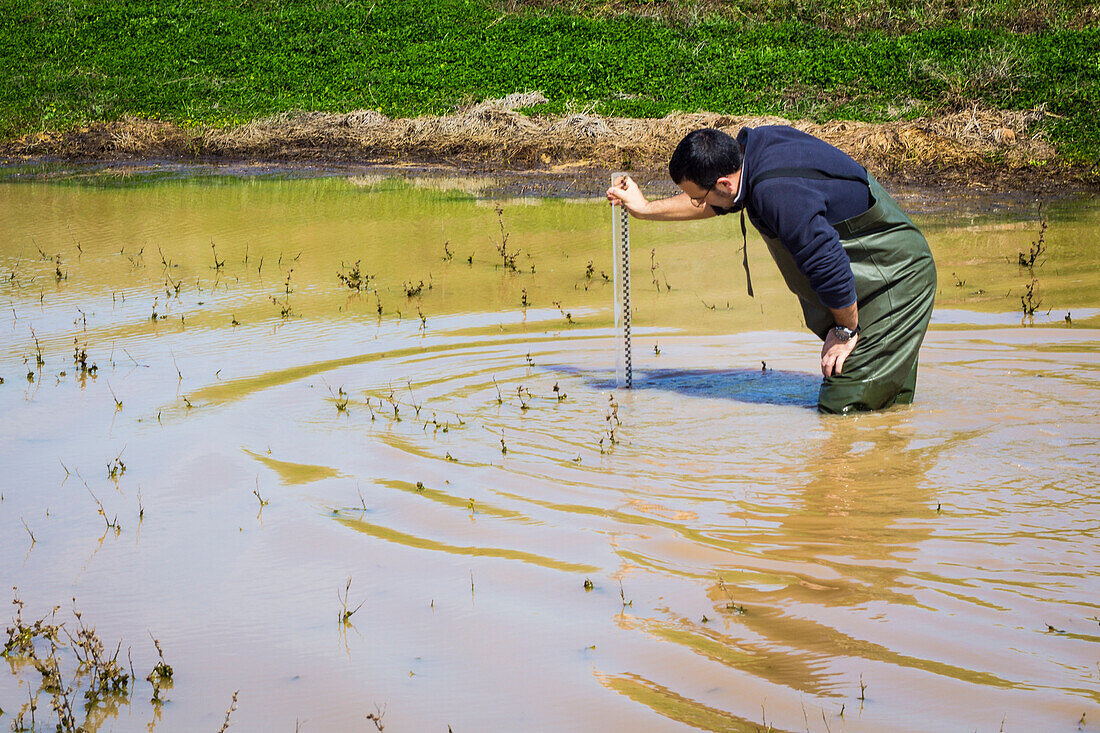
[346, 614]
[229, 712]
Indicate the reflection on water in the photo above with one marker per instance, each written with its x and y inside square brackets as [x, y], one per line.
[533, 548]
[948, 316]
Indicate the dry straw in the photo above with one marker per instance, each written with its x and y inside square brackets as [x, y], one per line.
[494, 134]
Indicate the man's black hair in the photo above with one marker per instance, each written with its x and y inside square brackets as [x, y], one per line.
[704, 156]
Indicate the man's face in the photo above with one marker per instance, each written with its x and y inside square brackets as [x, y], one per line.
[721, 194]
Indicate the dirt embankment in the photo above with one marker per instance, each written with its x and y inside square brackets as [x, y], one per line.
[977, 148]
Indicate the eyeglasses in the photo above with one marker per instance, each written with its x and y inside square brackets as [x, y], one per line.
[700, 201]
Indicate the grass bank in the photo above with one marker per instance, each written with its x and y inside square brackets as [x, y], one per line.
[895, 16]
[66, 64]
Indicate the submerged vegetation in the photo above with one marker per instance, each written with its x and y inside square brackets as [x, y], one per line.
[194, 64]
[1030, 301]
[72, 668]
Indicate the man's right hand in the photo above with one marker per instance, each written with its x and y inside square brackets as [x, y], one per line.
[626, 192]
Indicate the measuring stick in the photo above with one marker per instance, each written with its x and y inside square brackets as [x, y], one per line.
[620, 247]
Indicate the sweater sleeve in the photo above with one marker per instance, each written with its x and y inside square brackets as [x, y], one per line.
[796, 213]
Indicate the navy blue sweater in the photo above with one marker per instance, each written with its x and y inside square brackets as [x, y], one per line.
[800, 212]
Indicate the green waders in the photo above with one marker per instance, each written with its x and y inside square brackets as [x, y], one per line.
[895, 287]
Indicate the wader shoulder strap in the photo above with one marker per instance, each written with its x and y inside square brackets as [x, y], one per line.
[745, 254]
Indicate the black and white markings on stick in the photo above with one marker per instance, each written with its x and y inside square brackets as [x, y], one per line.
[620, 242]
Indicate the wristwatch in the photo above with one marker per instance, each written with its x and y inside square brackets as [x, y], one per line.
[845, 334]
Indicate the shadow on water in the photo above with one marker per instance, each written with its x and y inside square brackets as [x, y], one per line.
[771, 387]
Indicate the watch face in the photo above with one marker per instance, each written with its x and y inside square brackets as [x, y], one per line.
[842, 333]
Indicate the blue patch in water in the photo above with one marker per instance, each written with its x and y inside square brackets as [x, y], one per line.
[754, 386]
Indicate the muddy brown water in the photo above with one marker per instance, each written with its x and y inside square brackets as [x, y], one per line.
[751, 562]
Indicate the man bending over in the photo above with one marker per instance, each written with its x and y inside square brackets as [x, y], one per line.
[862, 271]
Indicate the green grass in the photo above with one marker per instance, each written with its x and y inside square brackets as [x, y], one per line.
[68, 63]
[896, 16]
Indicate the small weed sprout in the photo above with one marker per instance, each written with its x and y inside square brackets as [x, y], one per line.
[622, 595]
[218, 264]
[611, 435]
[339, 399]
[284, 306]
[229, 712]
[565, 314]
[118, 402]
[412, 398]
[353, 278]
[33, 540]
[345, 613]
[396, 408]
[172, 287]
[507, 259]
[116, 468]
[80, 358]
[21, 635]
[111, 523]
[167, 263]
[1038, 247]
[161, 676]
[731, 605]
[38, 350]
[1030, 301]
[376, 717]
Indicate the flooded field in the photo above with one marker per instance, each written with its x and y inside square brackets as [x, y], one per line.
[351, 446]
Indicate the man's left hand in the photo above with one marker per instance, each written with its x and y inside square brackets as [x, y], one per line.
[834, 352]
